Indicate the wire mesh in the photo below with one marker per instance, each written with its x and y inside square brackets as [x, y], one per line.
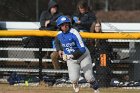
[30, 57]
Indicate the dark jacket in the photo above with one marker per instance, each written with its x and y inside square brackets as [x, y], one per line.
[86, 20]
[46, 15]
[103, 73]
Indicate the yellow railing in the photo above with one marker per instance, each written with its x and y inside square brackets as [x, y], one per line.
[116, 35]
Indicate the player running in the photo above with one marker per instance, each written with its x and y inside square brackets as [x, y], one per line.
[75, 53]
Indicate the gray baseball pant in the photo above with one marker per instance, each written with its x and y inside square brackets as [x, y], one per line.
[84, 63]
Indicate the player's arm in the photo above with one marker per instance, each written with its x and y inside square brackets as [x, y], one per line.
[57, 44]
[77, 54]
[80, 44]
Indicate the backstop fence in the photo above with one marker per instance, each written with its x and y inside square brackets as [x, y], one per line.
[26, 54]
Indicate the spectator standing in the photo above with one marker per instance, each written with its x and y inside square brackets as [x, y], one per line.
[101, 53]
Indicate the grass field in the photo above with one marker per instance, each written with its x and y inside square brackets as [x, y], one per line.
[5, 88]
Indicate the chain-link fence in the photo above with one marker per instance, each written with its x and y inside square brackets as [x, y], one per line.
[30, 59]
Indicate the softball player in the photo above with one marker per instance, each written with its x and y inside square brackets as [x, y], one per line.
[75, 54]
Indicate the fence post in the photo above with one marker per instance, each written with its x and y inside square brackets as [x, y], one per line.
[40, 64]
[106, 5]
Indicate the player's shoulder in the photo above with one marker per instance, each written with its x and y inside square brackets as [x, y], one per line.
[59, 32]
[74, 31]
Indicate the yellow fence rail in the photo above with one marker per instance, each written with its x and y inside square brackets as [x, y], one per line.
[116, 35]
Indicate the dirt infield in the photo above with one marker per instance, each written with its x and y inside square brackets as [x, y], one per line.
[5, 88]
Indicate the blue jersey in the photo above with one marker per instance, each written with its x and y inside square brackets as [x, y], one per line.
[71, 42]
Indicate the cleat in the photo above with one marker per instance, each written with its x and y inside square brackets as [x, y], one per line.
[76, 87]
[96, 91]
[95, 85]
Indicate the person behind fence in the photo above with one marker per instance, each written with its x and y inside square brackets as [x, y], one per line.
[48, 17]
[101, 53]
[75, 53]
[84, 17]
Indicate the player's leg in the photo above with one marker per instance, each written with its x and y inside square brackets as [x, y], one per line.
[76, 87]
[74, 74]
[86, 65]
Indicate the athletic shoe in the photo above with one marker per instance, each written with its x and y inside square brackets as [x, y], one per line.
[95, 86]
[76, 87]
[96, 91]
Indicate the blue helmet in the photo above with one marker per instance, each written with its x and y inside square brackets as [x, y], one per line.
[62, 19]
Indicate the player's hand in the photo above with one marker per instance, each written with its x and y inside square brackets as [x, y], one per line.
[67, 57]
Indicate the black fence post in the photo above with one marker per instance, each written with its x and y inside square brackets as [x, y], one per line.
[40, 64]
